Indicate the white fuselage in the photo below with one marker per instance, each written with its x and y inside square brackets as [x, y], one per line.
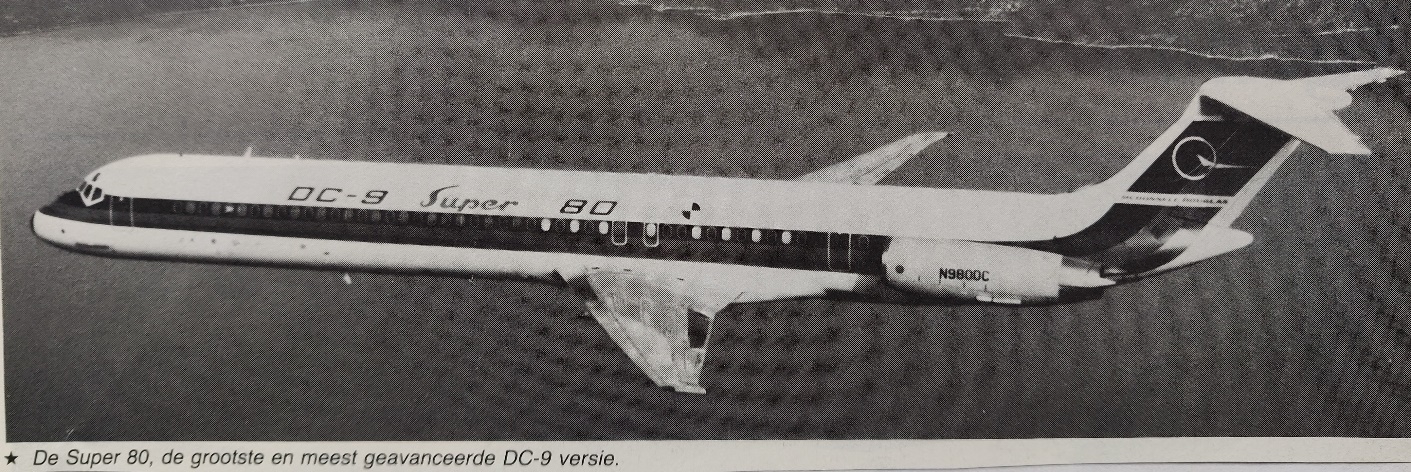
[766, 239]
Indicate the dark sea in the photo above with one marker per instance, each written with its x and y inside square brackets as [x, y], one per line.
[1304, 333]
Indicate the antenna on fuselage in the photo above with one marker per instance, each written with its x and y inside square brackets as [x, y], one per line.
[249, 151]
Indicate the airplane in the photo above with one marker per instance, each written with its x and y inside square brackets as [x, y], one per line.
[657, 256]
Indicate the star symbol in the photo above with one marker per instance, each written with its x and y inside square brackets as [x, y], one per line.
[10, 459]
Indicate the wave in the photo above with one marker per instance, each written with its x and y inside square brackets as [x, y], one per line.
[908, 15]
[1360, 29]
[715, 13]
[1207, 55]
[269, 3]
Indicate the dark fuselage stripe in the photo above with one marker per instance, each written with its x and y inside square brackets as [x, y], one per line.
[804, 250]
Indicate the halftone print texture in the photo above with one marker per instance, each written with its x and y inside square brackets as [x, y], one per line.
[1306, 332]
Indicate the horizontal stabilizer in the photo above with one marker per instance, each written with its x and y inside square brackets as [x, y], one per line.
[1303, 108]
[1210, 242]
[1351, 80]
[869, 168]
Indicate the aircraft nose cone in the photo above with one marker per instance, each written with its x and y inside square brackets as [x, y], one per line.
[34, 226]
[46, 227]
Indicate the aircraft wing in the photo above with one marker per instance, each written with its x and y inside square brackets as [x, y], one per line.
[661, 322]
[867, 169]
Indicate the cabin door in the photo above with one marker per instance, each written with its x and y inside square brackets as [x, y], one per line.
[651, 236]
[619, 233]
[120, 212]
[839, 252]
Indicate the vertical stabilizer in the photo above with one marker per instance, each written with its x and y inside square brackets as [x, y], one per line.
[1207, 167]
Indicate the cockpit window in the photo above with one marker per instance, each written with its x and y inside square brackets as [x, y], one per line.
[90, 193]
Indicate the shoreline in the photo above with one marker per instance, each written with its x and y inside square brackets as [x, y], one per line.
[991, 17]
[155, 14]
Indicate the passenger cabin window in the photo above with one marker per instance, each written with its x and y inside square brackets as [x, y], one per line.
[574, 226]
[602, 227]
[756, 236]
[725, 234]
[696, 232]
[786, 237]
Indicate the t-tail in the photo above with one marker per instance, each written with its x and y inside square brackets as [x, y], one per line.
[1173, 205]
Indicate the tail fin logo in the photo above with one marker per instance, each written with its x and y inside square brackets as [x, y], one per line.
[1194, 158]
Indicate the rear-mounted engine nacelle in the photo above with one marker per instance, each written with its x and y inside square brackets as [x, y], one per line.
[985, 272]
